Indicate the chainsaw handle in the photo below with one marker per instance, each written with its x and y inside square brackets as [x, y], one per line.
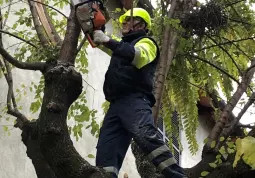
[91, 42]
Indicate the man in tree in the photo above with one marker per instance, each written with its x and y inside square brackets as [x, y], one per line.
[128, 87]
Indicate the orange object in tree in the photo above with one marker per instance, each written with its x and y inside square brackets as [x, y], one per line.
[90, 17]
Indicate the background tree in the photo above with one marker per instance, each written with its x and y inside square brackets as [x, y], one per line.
[201, 52]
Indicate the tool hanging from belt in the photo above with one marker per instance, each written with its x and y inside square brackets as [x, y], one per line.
[90, 16]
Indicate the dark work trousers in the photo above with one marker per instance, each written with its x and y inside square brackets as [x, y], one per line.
[127, 118]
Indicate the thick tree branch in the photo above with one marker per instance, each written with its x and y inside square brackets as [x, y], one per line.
[39, 29]
[166, 58]
[11, 103]
[249, 68]
[53, 30]
[233, 124]
[220, 124]
[26, 41]
[21, 65]
[69, 47]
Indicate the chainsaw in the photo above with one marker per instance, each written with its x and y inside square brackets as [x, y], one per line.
[90, 17]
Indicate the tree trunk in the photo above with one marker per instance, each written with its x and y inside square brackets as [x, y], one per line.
[30, 139]
[54, 150]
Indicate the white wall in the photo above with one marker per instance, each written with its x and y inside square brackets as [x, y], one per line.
[187, 159]
[13, 158]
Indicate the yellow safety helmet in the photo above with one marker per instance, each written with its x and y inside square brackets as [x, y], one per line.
[137, 12]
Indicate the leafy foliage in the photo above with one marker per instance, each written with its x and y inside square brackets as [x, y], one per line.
[245, 150]
[206, 62]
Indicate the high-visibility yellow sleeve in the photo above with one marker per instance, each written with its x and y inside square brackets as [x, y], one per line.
[145, 52]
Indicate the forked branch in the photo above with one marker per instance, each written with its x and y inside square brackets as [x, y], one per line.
[220, 124]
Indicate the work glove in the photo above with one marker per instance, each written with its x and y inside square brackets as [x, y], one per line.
[99, 37]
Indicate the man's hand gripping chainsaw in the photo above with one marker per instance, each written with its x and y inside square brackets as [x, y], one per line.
[90, 16]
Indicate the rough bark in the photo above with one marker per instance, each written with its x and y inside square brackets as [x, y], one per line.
[30, 139]
[63, 85]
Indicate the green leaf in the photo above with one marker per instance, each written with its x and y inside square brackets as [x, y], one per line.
[213, 144]
[218, 156]
[91, 156]
[245, 150]
[222, 139]
[205, 140]
[118, 9]
[5, 128]
[213, 165]
[204, 173]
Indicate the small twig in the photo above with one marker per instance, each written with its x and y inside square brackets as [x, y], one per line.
[26, 41]
[239, 21]
[249, 126]
[8, 11]
[233, 3]
[88, 84]
[223, 49]
[51, 8]
[10, 4]
[220, 44]
[215, 66]
[81, 44]
[238, 48]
